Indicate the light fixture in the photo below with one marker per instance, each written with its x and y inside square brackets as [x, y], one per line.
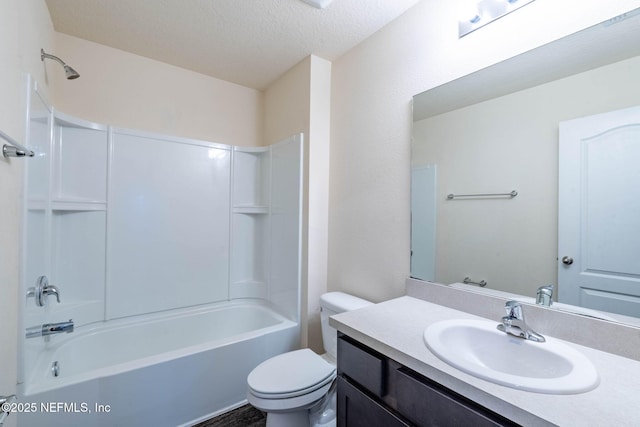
[468, 11]
[318, 4]
[68, 71]
[474, 14]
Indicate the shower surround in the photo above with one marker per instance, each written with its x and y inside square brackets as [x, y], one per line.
[177, 259]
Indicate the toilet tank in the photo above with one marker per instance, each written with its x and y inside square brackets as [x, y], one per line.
[333, 303]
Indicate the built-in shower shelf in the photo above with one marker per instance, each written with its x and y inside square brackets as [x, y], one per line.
[78, 205]
[257, 209]
[67, 205]
[250, 282]
[251, 150]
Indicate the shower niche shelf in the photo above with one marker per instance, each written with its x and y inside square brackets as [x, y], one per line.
[78, 260]
[79, 163]
[251, 210]
[250, 222]
[265, 219]
[251, 179]
[78, 205]
[67, 204]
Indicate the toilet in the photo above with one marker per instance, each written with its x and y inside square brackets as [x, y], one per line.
[295, 388]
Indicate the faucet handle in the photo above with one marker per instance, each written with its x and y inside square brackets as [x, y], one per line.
[51, 290]
[513, 323]
[546, 288]
[544, 295]
[41, 290]
[514, 310]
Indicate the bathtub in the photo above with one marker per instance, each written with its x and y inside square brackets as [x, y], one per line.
[168, 369]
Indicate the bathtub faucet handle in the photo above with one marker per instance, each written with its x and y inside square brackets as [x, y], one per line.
[41, 290]
[51, 290]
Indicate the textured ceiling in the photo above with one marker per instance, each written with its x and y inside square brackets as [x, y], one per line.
[248, 42]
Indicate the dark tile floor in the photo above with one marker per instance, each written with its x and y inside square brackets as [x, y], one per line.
[244, 416]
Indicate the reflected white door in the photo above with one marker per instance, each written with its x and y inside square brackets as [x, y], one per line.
[599, 212]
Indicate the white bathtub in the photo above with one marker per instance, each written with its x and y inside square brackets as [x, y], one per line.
[167, 369]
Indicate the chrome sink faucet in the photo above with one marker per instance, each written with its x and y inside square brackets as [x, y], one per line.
[544, 295]
[50, 329]
[514, 324]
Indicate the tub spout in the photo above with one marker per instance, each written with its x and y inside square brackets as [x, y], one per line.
[49, 329]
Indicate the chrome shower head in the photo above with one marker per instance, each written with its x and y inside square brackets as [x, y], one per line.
[68, 71]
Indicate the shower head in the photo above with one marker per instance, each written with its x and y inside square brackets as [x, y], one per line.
[68, 71]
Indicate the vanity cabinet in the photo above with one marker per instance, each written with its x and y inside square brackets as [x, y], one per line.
[374, 390]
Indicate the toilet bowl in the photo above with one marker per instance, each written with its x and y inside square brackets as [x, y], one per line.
[291, 386]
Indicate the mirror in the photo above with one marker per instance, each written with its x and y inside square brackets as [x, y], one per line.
[496, 131]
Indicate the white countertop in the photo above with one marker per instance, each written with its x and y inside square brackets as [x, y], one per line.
[395, 328]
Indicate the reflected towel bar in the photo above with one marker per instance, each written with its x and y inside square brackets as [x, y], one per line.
[468, 281]
[14, 149]
[513, 193]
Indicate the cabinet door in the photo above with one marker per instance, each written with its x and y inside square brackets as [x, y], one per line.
[356, 409]
[427, 403]
[361, 365]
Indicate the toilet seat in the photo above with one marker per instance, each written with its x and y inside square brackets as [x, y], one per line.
[289, 375]
[295, 388]
[290, 382]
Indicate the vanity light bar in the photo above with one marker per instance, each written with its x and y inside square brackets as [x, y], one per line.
[474, 14]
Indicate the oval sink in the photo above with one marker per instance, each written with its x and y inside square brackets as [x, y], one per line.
[478, 348]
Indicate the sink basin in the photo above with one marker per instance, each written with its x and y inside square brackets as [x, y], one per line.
[478, 348]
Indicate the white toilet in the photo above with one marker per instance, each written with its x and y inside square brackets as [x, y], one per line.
[290, 386]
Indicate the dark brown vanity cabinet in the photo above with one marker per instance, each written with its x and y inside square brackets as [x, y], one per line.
[374, 390]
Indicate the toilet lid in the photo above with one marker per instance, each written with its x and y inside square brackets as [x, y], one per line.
[290, 374]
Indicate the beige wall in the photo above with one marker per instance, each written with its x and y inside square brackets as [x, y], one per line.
[25, 27]
[371, 123]
[286, 103]
[131, 91]
[510, 143]
[299, 101]
[318, 193]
